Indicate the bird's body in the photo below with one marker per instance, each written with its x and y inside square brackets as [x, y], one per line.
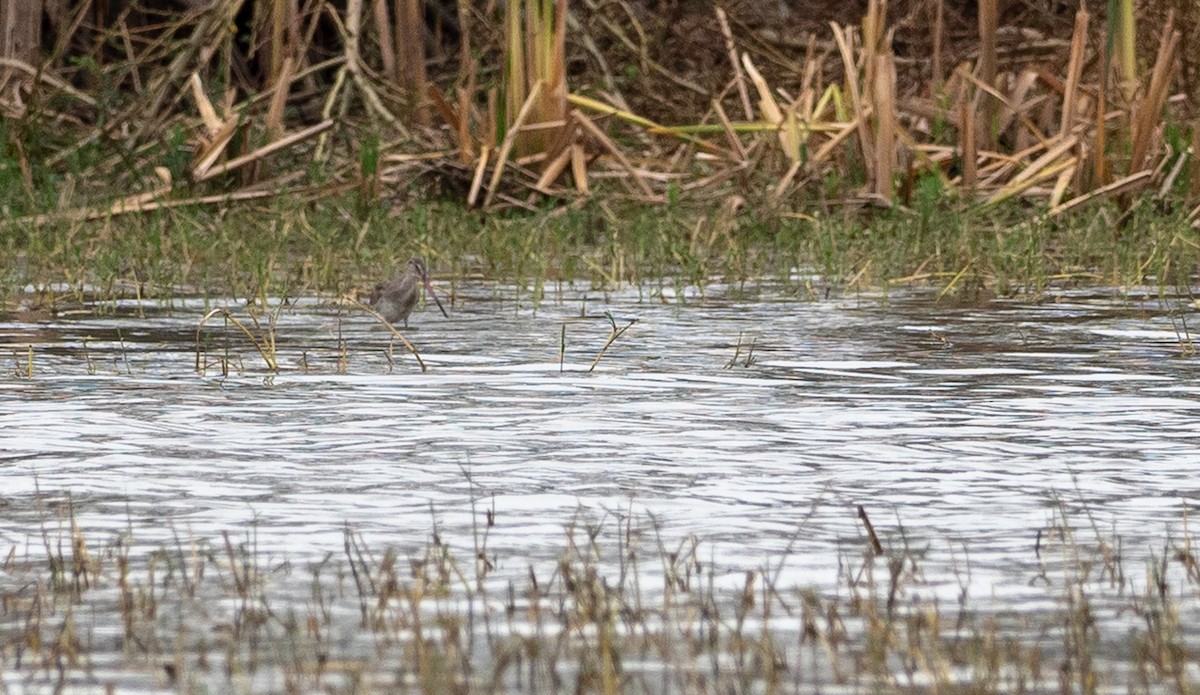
[396, 298]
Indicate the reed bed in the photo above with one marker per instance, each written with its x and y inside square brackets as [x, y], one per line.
[237, 148]
[621, 607]
[235, 263]
[233, 103]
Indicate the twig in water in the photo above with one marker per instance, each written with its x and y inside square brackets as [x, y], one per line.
[348, 546]
[265, 347]
[391, 328]
[87, 355]
[562, 347]
[343, 352]
[612, 337]
[737, 353]
[876, 546]
[124, 353]
[1187, 348]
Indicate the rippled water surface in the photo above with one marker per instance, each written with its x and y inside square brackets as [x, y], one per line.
[758, 423]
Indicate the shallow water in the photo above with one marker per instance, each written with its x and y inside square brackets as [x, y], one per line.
[966, 431]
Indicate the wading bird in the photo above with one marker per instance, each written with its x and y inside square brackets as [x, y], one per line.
[395, 299]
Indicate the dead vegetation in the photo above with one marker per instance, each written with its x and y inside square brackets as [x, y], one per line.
[126, 108]
[620, 606]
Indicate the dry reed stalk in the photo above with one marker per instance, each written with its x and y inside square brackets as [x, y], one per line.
[1060, 186]
[455, 119]
[844, 38]
[135, 71]
[939, 28]
[267, 149]
[579, 170]
[410, 57]
[387, 39]
[477, 180]
[210, 37]
[738, 78]
[274, 118]
[466, 148]
[968, 152]
[552, 171]
[1049, 163]
[616, 153]
[1014, 108]
[846, 130]
[220, 132]
[612, 338]
[279, 23]
[989, 21]
[1147, 111]
[735, 143]
[510, 138]
[208, 114]
[265, 347]
[1099, 162]
[872, 42]
[1123, 37]
[156, 200]
[884, 88]
[716, 180]
[785, 182]
[804, 104]
[553, 68]
[876, 546]
[1015, 188]
[788, 133]
[535, 52]
[48, 79]
[1127, 184]
[468, 69]
[351, 33]
[1001, 166]
[1194, 176]
[1074, 71]
[516, 78]
[1168, 181]
[379, 317]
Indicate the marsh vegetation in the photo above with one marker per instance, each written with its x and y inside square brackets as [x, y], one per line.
[678, 242]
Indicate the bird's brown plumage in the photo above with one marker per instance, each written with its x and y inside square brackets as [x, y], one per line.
[396, 298]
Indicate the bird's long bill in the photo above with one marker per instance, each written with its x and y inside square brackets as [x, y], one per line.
[429, 289]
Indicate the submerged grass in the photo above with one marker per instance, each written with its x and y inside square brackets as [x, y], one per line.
[622, 608]
[338, 247]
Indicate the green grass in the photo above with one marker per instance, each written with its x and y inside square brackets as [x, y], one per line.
[336, 245]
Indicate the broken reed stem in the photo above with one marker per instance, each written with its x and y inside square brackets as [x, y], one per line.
[939, 20]
[738, 77]
[562, 347]
[989, 22]
[1146, 112]
[510, 139]
[265, 348]
[876, 546]
[612, 338]
[390, 327]
[884, 98]
[1074, 71]
[535, 48]
[410, 52]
